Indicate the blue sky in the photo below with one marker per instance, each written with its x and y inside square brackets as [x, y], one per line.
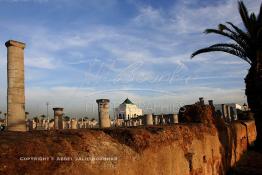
[81, 50]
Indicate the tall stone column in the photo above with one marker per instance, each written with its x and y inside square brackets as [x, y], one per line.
[58, 114]
[201, 101]
[15, 86]
[103, 113]
[211, 102]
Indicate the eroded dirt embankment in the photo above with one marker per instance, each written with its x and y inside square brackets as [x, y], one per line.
[200, 148]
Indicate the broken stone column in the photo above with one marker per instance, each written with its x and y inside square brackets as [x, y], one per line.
[167, 119]
[140, 122]
[233, 114]
[82, 123]
[224, 111]
[27, 120]
[149, 119]
[210, 102]
[155, 120]
[201, 101]
[58, 118]
[162, 120]
[103, 113]
[31, 126]
[65, 125]
[73, 124]
[26, 116]
[46, 125]
[174, 118]
[228, 113]
[15, 86]
[134, 122]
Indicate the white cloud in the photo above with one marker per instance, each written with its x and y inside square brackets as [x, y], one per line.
[149, 16]
[40, 62]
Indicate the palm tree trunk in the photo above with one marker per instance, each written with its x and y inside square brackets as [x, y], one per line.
[254, 94]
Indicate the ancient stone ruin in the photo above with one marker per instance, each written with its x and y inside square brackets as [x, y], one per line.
[58, 117]
[16, 88]
[103, 113]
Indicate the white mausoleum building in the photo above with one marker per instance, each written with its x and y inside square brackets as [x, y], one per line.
[127, 110]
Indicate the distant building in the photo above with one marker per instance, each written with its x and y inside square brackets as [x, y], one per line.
[127, 110]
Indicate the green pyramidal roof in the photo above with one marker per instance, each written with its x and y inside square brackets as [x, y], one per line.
[127, 101]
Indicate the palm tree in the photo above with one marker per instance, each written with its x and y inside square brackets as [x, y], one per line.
[43, 116]
[247, 45]
[66, 118]
[36, 119]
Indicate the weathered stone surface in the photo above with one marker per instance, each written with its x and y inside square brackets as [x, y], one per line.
[149, 119]
[174, 119]
[103, 113]
[73, 124]
[16, 91]
[58, 118]
[197, 114]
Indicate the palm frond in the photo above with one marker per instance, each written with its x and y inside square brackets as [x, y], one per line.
[253, 17]
[241, 39]
[253, 25]
[219, 32]
[232, 46]
[235, 37]
[246, 42]
[244, 15]
[238, 30]
[222, 27]
[222, 49]
[259, 16]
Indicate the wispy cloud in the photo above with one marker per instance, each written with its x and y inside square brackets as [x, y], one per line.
[40, 62]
